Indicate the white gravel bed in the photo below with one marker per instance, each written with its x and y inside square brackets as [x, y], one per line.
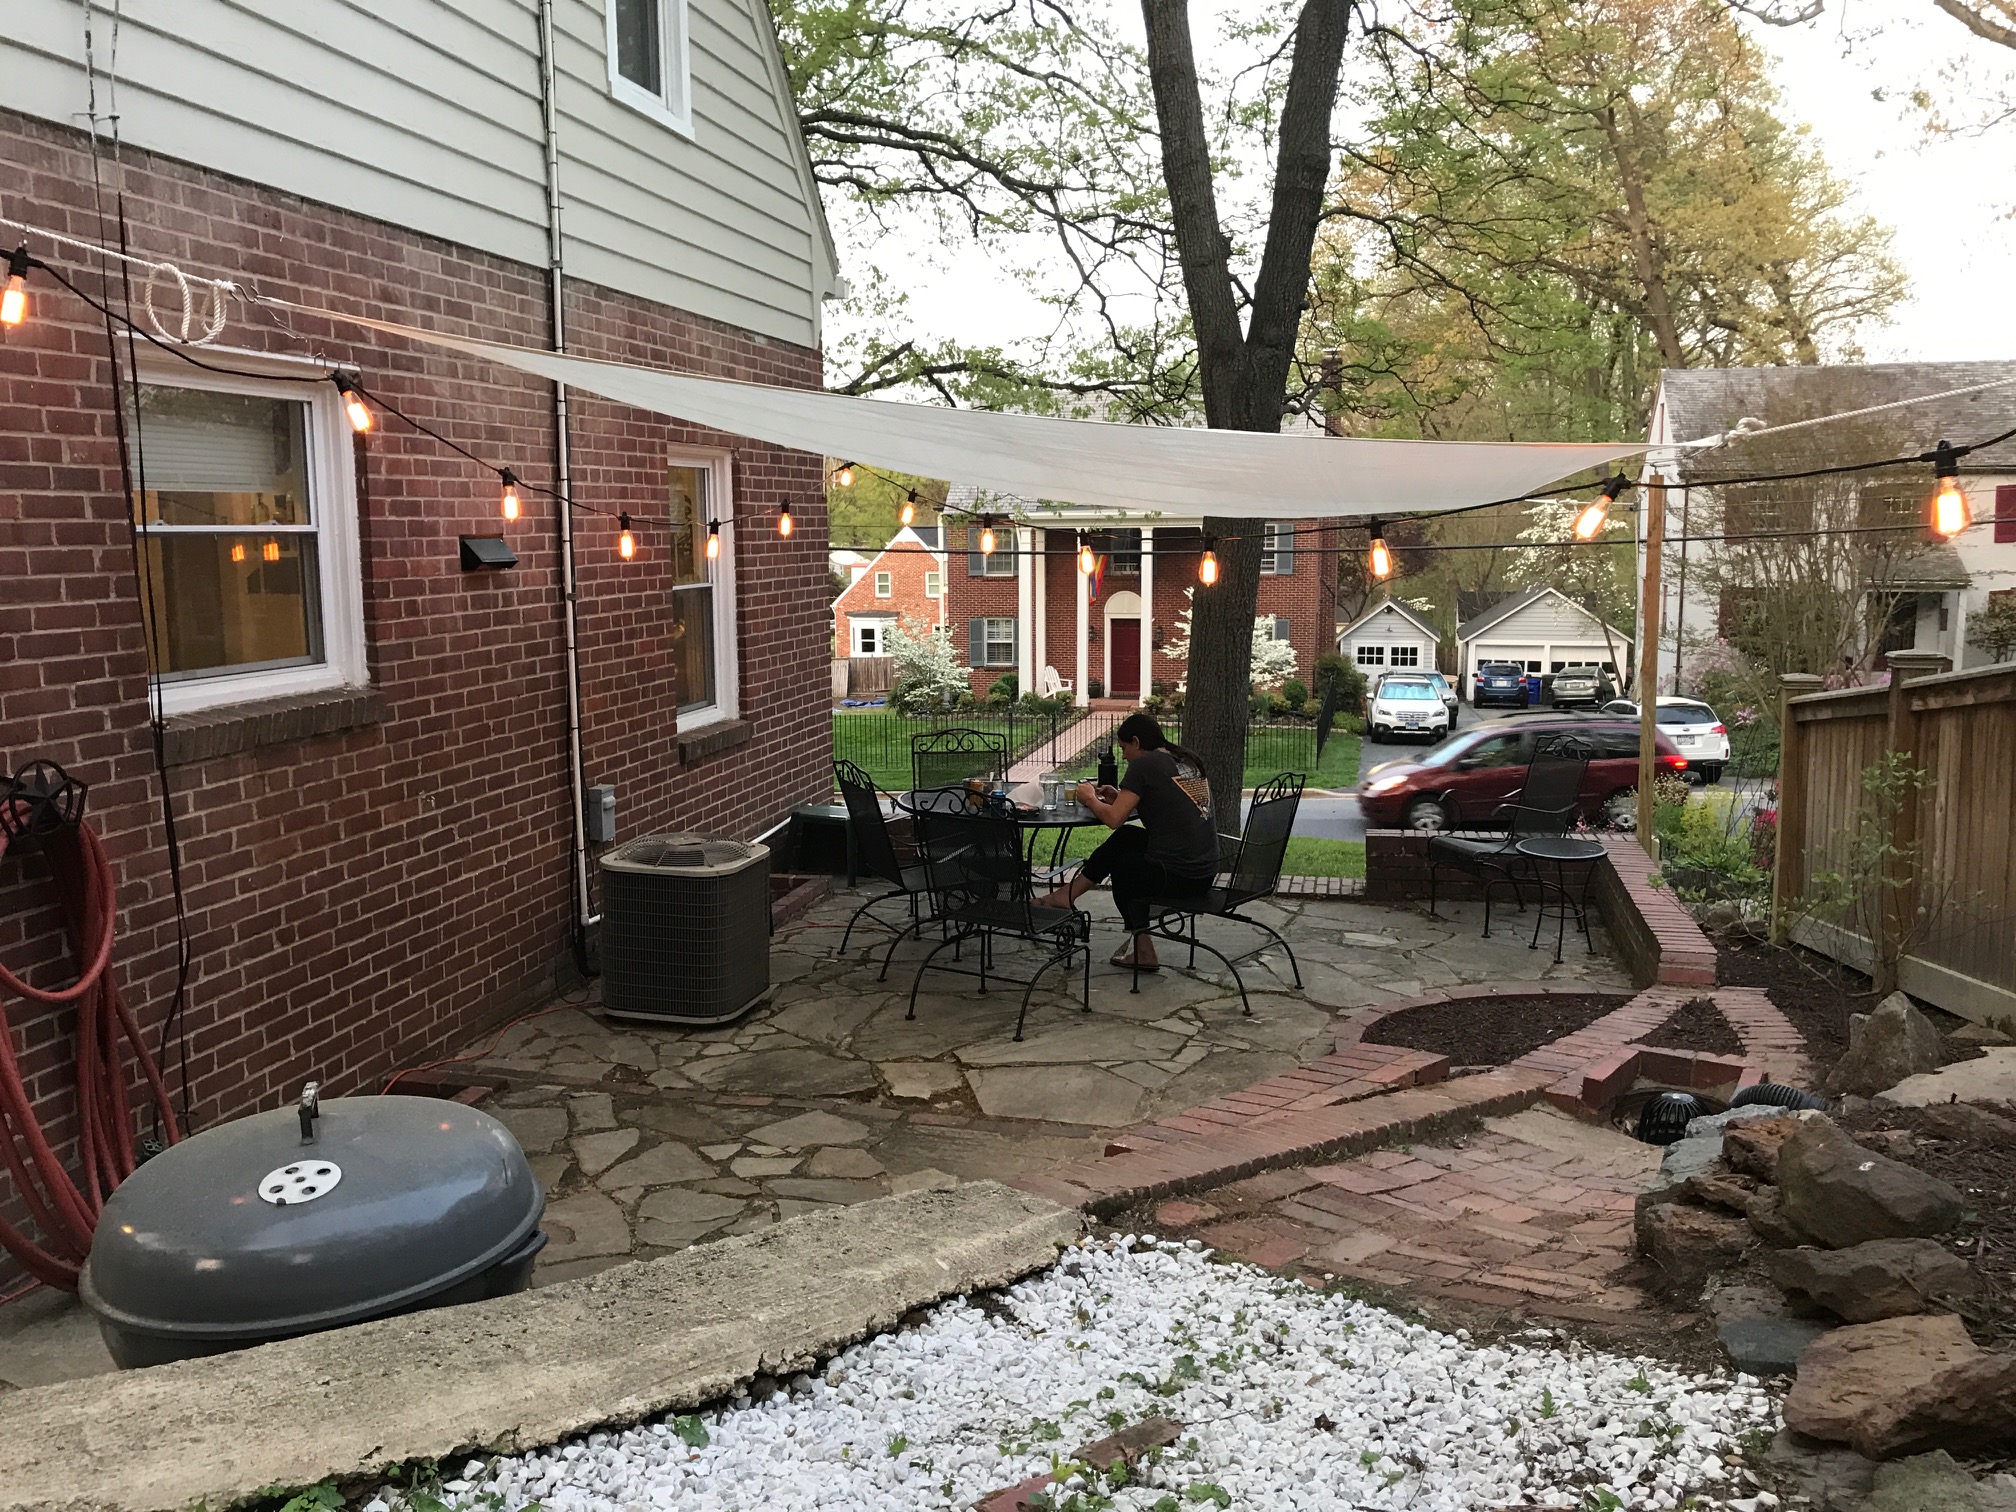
[1290, 1399]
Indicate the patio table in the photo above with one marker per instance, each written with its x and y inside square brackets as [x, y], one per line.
[1562, 852]
[1069, 815]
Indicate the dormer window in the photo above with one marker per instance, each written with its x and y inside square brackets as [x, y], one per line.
[648, 68]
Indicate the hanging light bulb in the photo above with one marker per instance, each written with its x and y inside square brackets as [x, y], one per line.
[271, 551]
[844, 475]
[908, 513]
[1590, 519]
[14, 301]
[237, 551]
[987, 535]
[510, 481]
[1207, 565]
[713, 540]
[626, 542]
[1086, 561]
[1379, 559]
[785, 524]
[353, 403]
[1951, 513]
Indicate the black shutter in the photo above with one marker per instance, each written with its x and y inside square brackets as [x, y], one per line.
[976, 564]
[976, 643]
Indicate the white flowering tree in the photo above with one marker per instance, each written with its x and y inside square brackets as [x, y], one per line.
[1273, 661]
[928, 673]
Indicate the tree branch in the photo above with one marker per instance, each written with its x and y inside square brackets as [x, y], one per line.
[1982, 26]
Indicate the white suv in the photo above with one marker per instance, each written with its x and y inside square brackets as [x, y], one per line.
[1692, 726]
[1406, 704]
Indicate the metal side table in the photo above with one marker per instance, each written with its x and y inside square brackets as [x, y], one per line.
[1574, 863]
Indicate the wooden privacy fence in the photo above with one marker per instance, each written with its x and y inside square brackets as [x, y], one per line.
[1923, 867]
[863, 676]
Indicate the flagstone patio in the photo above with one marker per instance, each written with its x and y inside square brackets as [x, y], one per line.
[649, 1139]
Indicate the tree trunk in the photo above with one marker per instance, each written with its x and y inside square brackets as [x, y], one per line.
[1645, 255]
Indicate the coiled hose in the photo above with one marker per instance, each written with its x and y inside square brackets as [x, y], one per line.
[65, 1210]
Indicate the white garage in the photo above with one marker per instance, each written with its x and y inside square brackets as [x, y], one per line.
[1390, 636]
[1542, 630]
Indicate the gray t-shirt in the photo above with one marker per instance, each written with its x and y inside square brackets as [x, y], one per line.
[1180, 833]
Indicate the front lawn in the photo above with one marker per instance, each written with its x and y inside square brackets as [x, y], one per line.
[1307, 855]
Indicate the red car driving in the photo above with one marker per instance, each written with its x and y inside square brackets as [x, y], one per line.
[1460, 782]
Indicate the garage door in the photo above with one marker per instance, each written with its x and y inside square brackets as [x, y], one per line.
[1528, 657]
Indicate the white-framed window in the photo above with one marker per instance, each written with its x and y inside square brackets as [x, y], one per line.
[934, 585]
[1277, 548]
[1124, 553]
[1281, 629]
[703, 591]
[1000, 562]
[246, 502]
[885, 585]
[1371, 656]
[649, 67]
[868, 637]
[991, 642]
[1403, 656]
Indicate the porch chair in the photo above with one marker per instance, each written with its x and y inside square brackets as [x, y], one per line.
[1547, 804]
[1254, 874]
[1049, 684]
[876, 849]
[950, 758]
[982, 891]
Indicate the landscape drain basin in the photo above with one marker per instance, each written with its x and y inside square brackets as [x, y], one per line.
[250, 1232]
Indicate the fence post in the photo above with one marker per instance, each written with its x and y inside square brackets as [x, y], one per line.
[1651, 614]
[1790, 843]
[1900, 879]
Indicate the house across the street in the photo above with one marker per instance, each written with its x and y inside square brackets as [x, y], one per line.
[1542, 630]
[1390, 636]
[903, 583]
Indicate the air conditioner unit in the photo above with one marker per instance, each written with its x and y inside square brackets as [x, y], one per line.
[685, 929]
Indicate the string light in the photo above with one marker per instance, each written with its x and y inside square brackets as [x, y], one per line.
[510, 481]
[237, 551]
[1085, 559]
[353, 403]
[1592, 515]
[844, 475]
[1950, 511]
[785, 524]
[713, 540]
[1207, 565]
[1378, 558]
[986, 535]
[626, 542]
[14, 301]
[271, 551]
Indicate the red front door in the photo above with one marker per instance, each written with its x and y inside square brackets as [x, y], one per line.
[1126, 651]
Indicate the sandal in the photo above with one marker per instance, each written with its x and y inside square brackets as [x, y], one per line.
[1126, 963]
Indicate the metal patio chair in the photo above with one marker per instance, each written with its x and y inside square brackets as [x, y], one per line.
[1547, 804]
[982, 892]
[1254, 874]
[951, 758]
[876, 849]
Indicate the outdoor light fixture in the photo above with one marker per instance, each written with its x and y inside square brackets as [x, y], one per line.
[986, 535]
[626, 543]
[1950, 511]
[510, 481]
[785, 524]
[908, 512]
[1592, 515]
[271, 551]
[353, 403]
[1379, 559]
[14, 302]
[844, 475]
[1207, 565]
[1085, 559]
[713, 540]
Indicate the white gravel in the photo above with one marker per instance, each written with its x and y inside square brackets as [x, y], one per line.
[1290, 1398]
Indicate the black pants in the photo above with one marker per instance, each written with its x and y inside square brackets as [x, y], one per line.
[1136, 876]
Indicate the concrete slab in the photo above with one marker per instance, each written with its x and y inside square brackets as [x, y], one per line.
[517, 1372]
[1056, 1094]
[1989, 1079]
[1553, 1130]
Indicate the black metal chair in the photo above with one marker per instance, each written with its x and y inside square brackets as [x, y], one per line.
[876, 850]
[982, 891]
[1548, 801]
[1254, 874]
[951, 758]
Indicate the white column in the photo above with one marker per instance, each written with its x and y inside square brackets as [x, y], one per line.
[1084, 662]
[1025, 608]
[1039, 636]
[1147, 612]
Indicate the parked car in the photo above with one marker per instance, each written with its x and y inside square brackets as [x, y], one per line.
[1449, 699]
[1405, 703]
[1696, 731]
[1581, 683]
[1462, 782]
[1498, 682]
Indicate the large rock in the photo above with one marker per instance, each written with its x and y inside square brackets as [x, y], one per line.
[1767, 1346]
[1852, 1372]
[1750, 1148]
[1839, 1194]
[1830, 1478]
[1767, 1220]
[1934, 1483]
[1687, 1243]
[1884, 1047]
[1885, 1278]
[1989, 1078]
[1969, 1406]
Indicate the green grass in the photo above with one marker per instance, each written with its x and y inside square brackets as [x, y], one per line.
[878, 741]
[1307, 856]
[1270, 752]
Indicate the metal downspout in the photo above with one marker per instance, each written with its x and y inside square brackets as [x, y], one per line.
[549, 102]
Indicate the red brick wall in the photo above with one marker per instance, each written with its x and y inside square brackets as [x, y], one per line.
[907, 566]
[968, 598]
[365, 899]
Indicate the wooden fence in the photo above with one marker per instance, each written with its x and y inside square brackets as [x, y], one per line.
[1928, 874]
[863, 676]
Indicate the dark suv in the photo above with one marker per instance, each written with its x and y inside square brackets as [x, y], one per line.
[1460, 783]
[1499, 682]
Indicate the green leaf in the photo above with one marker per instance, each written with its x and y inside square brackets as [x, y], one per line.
[690, 1431]
[1205, 1491]
[321, 1497]
[897, 1445]
[1547, 1407]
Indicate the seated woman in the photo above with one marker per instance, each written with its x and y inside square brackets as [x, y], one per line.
[1173, 853]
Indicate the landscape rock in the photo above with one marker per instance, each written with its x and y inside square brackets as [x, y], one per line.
[1840, 1194]
[1687, 1243]
[1750, 1147]
[1727, 1191]
[1934, 1483]
[1767, 1346]
[1885, 1278]
[1682, 1161]
[1716, 1123]
[1967, 1124]
[1829, 1477]
[1767, 1221]
[1989, 1078]
[1884, 1047]
[1852, 1372]
[1968, 1406]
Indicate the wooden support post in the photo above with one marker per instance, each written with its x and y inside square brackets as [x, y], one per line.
[1788, 865]
[1648, 659]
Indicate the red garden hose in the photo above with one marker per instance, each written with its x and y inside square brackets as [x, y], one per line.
[63, 1209]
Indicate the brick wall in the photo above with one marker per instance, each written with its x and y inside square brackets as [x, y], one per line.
[907, 566]
[968, 598]
[372, 879]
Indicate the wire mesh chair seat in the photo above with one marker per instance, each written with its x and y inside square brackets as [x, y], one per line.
[982, 891]
[1549, 800]
[879, 855]
[952, 758]
[1254, 874]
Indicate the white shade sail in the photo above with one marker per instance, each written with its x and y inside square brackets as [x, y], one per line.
[1146, 469]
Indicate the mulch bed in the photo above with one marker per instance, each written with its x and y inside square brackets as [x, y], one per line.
[1489, 1031]
[1698, 1025]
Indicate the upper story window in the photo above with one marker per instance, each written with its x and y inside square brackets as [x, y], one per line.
[933, 585]
[1123, 553]
[703, 593]
[246, 507]
[1277, 547]
[885, 585]
[1000, 562]
[648, 67]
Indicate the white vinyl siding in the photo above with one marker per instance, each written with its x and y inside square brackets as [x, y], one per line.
[426, 114]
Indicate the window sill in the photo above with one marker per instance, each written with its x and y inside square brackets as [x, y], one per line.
[239, 728]
[712, 740]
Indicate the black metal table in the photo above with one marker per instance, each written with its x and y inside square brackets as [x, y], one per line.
[1069, 815]
[1561, 852]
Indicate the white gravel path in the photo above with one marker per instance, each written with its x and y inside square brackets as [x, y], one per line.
[1292, 1399]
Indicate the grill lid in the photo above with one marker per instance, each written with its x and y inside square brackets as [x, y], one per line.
[426, 1193]
[685, 856]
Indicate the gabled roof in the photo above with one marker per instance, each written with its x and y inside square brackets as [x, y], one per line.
[1413, 616]
[1505, 608]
